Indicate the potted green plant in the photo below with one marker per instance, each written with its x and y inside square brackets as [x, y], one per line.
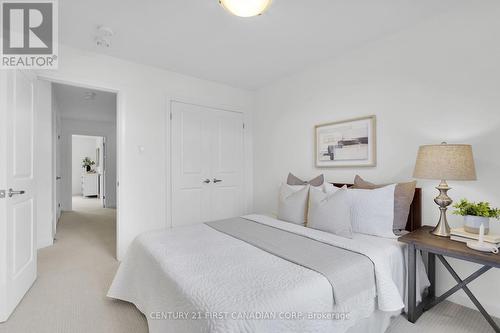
[87, 164]
[475, 214]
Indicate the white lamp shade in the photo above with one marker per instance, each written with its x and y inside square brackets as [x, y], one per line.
[445, 162]
[245, 8]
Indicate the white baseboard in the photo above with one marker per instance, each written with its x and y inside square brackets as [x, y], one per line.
[44, 243]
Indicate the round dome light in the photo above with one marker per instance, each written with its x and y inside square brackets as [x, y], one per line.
[245, 8]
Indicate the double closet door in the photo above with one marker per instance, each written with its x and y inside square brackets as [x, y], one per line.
[207, 164]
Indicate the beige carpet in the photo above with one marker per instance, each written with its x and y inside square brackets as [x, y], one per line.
[446, 317]
[75, 273]
[73, 277]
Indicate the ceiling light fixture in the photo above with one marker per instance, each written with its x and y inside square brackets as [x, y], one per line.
[245, 8]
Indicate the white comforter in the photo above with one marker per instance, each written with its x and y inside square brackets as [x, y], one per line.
[196, 279]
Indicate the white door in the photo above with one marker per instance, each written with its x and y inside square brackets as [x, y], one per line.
[226, 165]
[207, 164]
[58, 175]
[17, 207]
[191, 176]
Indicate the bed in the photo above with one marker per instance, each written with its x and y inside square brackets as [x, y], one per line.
[204, 278]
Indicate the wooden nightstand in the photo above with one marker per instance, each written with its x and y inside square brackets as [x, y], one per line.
[422, 240]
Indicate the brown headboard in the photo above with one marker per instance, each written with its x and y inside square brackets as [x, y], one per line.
[415, 215]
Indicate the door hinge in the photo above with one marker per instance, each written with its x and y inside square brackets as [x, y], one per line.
[243, 125]
[2, 194]
[170, 115]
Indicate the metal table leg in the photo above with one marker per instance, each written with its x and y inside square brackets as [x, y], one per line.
[431, 273]
[462, 284]
[412, 283]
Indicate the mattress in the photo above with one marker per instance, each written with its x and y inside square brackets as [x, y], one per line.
[197, 279]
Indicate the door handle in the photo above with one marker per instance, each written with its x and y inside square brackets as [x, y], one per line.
[217, 180]
[12, 192]
[58, 177]
[206, 181]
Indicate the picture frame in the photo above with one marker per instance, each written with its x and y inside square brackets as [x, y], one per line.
[346, 143]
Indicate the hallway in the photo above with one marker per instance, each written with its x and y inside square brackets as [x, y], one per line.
[73, 277]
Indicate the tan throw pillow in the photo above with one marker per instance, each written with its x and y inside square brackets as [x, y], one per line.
[403, 197]
[294, 180]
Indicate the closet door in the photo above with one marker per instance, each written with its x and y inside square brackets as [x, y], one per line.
[207, 164]
[227, 165]
[191, 178]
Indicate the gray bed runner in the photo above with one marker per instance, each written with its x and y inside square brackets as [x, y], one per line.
[349, 273]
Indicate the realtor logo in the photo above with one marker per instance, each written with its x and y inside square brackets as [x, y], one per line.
[29, 34]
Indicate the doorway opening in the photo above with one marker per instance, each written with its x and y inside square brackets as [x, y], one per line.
[88, 172]
[85, 146]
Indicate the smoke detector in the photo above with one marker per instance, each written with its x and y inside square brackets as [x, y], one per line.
[103, 36]
[89, 95]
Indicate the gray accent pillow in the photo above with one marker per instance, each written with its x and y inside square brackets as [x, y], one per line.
[403, 196]
[294, 180]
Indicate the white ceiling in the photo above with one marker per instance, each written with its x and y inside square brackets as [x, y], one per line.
[71, 103]
[197, 37]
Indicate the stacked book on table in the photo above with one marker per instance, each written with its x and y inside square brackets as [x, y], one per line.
[460, 235]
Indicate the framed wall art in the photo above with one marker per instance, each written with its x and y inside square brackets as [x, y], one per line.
[348, 143]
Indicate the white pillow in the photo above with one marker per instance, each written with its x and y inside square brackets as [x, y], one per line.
[372, 211]
[292, 205]
[329, 188]
[330, 212]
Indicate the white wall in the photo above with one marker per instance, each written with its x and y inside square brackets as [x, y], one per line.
[143, 94]
[100, 169]
[44, 173]
[437, 81]
[81, 147]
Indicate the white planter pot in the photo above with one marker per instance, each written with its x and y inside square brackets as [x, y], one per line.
[472, 224]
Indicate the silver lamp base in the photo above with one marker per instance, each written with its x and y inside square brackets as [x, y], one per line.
[443, 201]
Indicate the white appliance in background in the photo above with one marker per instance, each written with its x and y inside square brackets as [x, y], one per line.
[207, 164]
[18, 256]
[90, 184]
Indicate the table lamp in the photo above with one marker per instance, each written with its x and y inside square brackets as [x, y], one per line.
[444, 162]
